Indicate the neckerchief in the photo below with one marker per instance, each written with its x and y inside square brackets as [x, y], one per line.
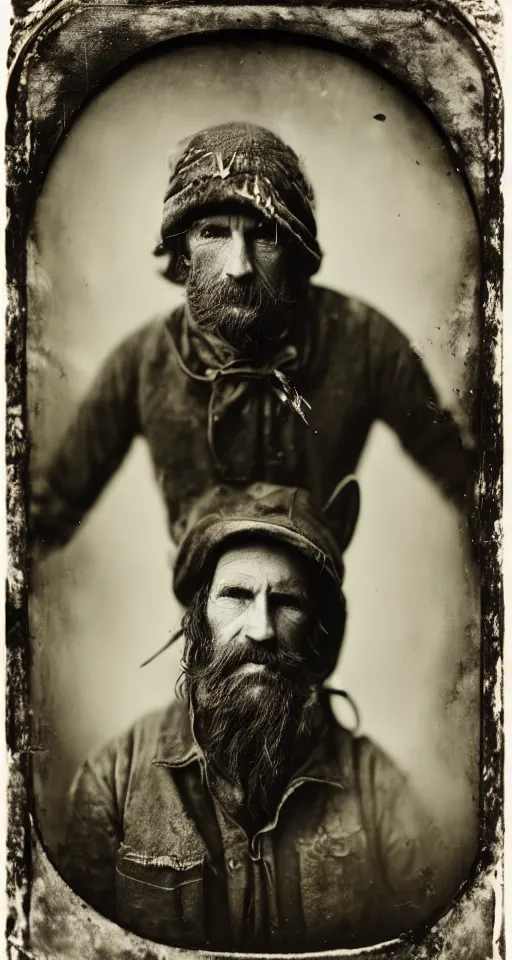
[246, 395]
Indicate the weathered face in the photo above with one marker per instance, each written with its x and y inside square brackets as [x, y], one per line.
[248, 676]
[239, 284]
[236, 247]
[259, 596]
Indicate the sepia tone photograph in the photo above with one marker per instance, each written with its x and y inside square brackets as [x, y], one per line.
[254, 275]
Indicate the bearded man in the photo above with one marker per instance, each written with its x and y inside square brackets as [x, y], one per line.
[259, 375]
[244, 817]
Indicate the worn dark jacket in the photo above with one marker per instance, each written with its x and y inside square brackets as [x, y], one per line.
[348, 859]
[208, 421]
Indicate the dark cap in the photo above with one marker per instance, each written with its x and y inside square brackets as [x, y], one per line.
[285, 515]
[242, 164]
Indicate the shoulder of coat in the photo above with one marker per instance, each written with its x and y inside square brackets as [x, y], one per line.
[337, 313]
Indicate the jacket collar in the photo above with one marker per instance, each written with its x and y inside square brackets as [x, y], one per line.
[176, 744]
[330, 760]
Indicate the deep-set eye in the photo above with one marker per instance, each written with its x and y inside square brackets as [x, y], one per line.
[264, 230]
[288, 601]
[213, 231]
[235, 593]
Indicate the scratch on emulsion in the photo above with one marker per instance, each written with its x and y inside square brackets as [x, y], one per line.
[496, 883]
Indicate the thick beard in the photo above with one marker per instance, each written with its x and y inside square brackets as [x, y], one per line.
[250, 726]
[243, 313]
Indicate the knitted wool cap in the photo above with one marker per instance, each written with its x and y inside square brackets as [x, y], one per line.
[284, 515]
[242, 164]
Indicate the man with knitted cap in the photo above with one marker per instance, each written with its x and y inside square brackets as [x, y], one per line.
[244, 817]
[259, 375]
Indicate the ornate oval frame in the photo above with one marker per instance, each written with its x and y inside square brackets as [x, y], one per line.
[62, 52]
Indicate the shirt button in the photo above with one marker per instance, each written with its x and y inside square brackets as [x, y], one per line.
[234, 864]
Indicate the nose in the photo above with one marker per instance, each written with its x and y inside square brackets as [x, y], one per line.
[238, 262]
[259, 625]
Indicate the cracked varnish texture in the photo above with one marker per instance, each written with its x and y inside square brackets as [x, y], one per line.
[452, 84]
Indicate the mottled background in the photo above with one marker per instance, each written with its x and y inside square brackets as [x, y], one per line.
[397, 230]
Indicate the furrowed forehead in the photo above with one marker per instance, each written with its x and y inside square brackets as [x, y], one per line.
[254, 561]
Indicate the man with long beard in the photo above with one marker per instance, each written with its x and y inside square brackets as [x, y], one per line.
[259, 375]
[244, 817]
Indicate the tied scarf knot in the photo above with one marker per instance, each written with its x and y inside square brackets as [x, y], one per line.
[280, 384]
[240, 421]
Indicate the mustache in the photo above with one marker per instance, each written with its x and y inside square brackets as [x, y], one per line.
[265, 307]
[214, 298]
[240, 293]
[251, 289]
[216, 678]
[220, 665]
